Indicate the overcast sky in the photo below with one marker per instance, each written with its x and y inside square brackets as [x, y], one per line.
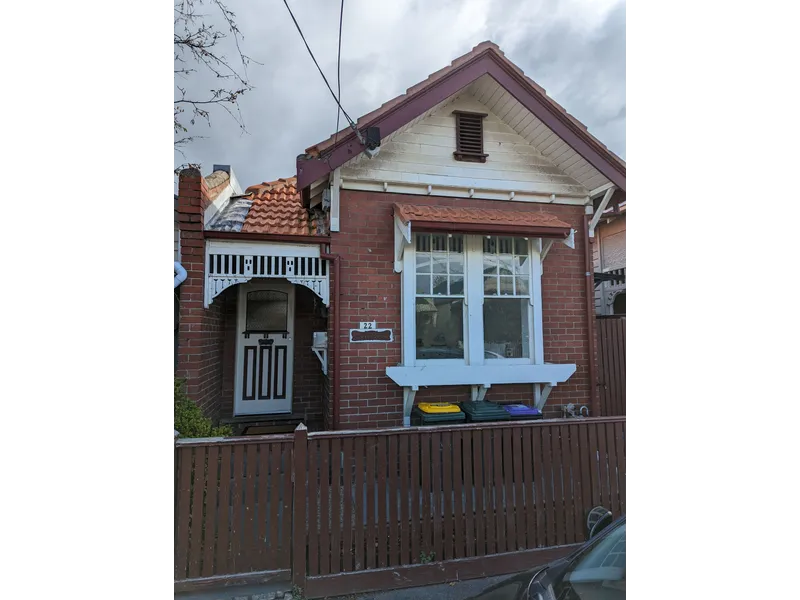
[575, 49]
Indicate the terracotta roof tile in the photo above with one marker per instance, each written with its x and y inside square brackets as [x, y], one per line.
[277, 209]
[478, 216]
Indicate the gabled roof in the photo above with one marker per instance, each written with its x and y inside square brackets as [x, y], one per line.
[485, 58]
[271, 207]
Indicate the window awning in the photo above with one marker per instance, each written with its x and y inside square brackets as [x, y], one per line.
[534, 223]
[530, 223]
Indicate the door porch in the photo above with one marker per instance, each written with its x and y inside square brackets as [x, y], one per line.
[262, 304]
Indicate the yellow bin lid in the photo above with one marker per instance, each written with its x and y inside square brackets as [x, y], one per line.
[438, 407]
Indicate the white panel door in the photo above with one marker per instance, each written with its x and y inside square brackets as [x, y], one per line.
[264, 349]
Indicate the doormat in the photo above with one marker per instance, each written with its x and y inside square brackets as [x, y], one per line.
[266, 430]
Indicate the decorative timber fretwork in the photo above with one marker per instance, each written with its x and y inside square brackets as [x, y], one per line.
[231, 265]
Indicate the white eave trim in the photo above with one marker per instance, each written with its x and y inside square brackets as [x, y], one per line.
[336, 186]
[432, 189]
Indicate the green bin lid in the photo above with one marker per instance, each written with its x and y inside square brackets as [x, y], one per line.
[484, 411]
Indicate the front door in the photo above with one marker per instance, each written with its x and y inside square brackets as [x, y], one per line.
[264, 349]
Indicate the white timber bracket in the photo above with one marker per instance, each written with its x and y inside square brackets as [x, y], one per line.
[479, 392]
[541, 392]
[409, 393]
[322, 355]
[568, 241]
[546, 245]
[601, 209]
[402, 239]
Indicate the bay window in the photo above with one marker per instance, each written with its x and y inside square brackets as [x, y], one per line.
[475, 299]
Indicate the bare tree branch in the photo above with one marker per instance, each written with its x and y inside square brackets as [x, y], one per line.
[196, 42]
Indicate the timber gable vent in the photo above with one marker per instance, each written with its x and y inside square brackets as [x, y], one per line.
[469, 136]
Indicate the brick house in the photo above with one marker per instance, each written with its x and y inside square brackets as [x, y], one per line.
[440, 252]
[609, 259]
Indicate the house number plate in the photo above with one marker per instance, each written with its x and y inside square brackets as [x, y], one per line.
[367, 325]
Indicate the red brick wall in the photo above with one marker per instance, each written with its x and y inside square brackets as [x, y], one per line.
[307, 397]
[200, 343]
[371, 290]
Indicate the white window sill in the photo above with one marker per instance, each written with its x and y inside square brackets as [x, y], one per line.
[487, 375]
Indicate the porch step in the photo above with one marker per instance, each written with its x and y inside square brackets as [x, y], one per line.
[269, 596]
[264, 425]
[267, 429]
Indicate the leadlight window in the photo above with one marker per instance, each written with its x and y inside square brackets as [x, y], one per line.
[267, 311]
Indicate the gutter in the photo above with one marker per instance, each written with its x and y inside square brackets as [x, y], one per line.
[594, 400]
[337, 319]
[266, 237]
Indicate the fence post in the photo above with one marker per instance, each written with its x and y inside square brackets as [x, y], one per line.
[299, 473]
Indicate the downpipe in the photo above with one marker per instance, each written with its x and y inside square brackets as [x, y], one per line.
[337, 319]
[180, 274]
[594, 400]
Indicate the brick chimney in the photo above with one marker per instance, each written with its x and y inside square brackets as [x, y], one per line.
[199, 340]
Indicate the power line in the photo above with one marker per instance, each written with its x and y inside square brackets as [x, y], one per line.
[338, 78]
[300, 31]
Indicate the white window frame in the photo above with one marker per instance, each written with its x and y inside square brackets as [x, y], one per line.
[473, 313]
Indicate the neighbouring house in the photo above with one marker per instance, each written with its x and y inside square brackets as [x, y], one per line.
[609, 259]
[438, 252]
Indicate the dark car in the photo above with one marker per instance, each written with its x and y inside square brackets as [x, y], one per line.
[596, 571]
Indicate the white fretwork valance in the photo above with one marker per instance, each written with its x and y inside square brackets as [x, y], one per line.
[228, 264]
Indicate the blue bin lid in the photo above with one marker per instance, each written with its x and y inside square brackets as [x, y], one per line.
[521, 409]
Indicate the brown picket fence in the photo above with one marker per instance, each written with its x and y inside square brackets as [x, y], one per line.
[346, 512]
[611, 364]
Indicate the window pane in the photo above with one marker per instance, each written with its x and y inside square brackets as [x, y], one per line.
[505, 326]
[457, 263]
[506, 286]
[523, 288]
[440, 263]
[440, 328]
[440, 285]
[521, 265]
[490, 286]
[423, 263]
[439, 243]
[489, 264]
[267, 310]
[423, 284]
[456, 285]
[505, 264]
[521, 246]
